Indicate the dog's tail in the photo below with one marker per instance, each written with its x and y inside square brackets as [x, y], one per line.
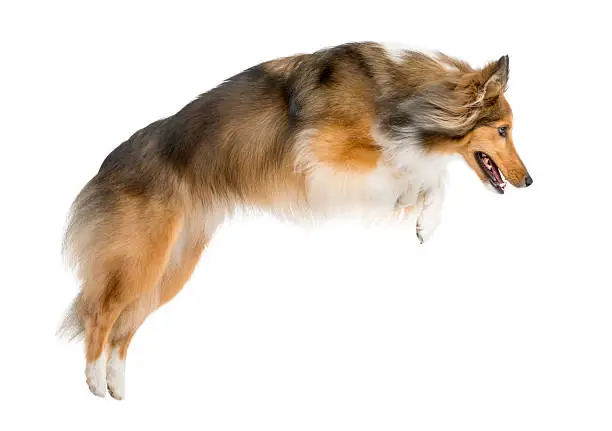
[73, 326]
[77, 247]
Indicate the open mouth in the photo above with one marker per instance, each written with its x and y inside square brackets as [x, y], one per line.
[492, 171]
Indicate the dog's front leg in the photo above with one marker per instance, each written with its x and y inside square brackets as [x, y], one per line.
[407, 202]
[430, 206]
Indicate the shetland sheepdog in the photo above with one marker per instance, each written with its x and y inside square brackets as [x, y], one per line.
[353, 127]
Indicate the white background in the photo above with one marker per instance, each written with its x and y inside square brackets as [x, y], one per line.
[502, 322]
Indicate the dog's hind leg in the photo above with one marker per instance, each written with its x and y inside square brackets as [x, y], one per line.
[178, 271]
[123, 330]
[130, 269]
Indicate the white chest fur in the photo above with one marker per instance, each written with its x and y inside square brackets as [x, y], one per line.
[404, 170]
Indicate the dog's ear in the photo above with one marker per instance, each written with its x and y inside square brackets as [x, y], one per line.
[495, 77]
[486, 84]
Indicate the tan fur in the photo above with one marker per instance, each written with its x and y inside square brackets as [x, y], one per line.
[284, 66]
[174, 278]
[346, 147]
[126, 272]
[502, 151]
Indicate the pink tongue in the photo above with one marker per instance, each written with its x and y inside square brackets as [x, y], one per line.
[497, 175]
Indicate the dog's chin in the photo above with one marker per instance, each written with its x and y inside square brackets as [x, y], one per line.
[492, 188]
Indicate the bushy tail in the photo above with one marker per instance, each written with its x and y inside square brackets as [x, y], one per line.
[73, 326]
[77, 243]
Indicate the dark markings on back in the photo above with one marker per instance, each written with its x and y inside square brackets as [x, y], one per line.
[347, 53]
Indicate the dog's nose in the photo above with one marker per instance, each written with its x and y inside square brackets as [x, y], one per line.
[528, 180]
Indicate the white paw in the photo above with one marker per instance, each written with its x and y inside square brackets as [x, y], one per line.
[427, 223]
[430, 202]
[116, 375]
[423, 234]
[95, 373]
[419, 236]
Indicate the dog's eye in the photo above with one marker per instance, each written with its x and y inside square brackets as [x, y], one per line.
[503, 131]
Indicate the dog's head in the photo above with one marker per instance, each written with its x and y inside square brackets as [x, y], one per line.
[489, 148]
[468, 114]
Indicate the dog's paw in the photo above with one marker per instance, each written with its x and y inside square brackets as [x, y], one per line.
[116, 391]
[95, 374]
[116, 375]
[423, 233]
[419, 236]
[426, 226]
[430, 205]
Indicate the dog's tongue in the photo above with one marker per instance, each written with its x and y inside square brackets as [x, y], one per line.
[497, 175]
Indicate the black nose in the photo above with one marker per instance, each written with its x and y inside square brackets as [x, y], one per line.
[528, 180]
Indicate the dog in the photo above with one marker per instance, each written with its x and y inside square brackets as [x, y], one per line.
[353, 127]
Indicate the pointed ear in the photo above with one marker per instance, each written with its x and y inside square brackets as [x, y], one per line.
[495, 77]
